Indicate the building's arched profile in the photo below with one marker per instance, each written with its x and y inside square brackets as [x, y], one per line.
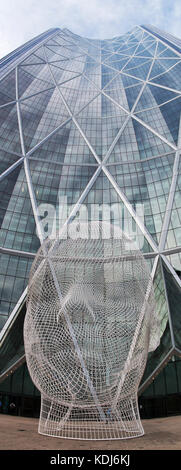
[96, 124]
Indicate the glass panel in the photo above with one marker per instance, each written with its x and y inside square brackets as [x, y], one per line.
[159, 383]
[78, 93]
[41, 114]
[116, 61]
[14, 273]
[157, 356]
[103, 203]
[162, 65]
[100, 122]
[153, 96]
[65, 146]
[18, 229]
[17, 380]
[62, 75]
[174, 299]
[136, 142]
[141, 71]
[147, 183]
[178, 369]
[60, 186]
[28, 84]
[107, 74]
[9, 129]
[13, 345]
[28, 386]
[40, 71]
[170, 78]
[164, 119]
[171, 378]
[128, 81]
[7, 159]
[174, 232]
[175, 261]
[8, 88]
[34, 59]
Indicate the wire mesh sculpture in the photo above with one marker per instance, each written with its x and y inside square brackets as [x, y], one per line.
[90, 323]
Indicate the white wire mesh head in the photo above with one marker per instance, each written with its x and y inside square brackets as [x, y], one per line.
[89, 325]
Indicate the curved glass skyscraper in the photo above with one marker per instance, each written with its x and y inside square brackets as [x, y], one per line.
[93, 123]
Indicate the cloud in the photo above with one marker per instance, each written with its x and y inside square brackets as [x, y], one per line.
[21, 21]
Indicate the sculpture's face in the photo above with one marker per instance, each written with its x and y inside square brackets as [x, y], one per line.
[82, 318]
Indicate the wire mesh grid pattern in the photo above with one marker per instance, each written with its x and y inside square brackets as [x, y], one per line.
[90, 321]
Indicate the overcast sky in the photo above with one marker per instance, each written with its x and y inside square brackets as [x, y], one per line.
[21, 20]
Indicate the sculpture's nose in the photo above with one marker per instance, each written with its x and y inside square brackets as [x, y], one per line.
[77, 303]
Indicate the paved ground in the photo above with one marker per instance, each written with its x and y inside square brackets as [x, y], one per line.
[18, 433]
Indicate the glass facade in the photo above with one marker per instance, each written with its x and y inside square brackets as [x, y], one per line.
[96, 122]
